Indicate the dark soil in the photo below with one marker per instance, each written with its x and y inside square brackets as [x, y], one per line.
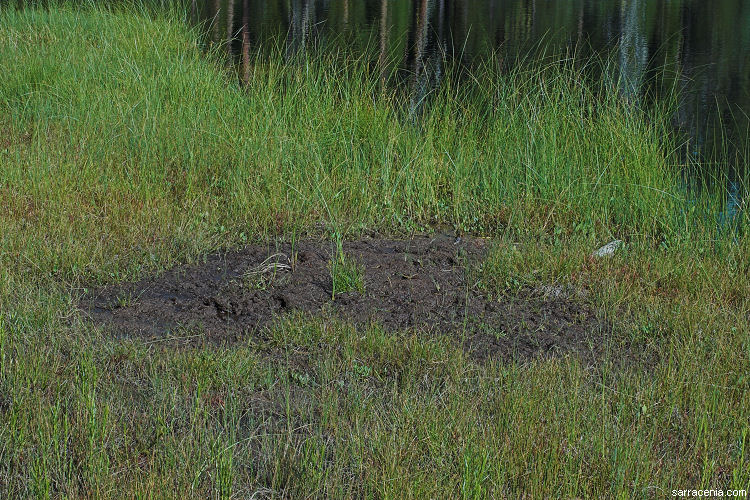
[417, 284]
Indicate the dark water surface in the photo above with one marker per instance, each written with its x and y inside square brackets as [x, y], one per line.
[703, 46]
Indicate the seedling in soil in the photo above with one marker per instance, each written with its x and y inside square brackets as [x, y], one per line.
[293, 254]
[346, 275]
[125, 300]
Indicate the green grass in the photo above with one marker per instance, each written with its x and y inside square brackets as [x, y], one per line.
[124, 149]
[346, 274]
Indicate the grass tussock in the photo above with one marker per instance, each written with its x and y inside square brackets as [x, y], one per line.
[125, 149]
[346, 274]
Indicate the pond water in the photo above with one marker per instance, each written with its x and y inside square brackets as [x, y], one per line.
[701, 46]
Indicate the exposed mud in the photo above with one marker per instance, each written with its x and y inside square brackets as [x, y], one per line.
[417, 284]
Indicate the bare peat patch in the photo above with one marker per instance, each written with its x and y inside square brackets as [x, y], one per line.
[412, 284]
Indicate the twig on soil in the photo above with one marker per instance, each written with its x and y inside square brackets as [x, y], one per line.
[265, 266]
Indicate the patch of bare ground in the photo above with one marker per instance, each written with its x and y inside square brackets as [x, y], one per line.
[408, 284]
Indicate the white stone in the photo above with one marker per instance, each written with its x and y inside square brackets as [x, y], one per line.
[609, 249]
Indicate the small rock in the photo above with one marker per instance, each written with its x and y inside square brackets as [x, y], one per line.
[609, 249]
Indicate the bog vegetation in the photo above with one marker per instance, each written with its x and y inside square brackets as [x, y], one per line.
[125, 149]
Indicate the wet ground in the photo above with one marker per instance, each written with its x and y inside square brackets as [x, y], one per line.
[421, 284]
